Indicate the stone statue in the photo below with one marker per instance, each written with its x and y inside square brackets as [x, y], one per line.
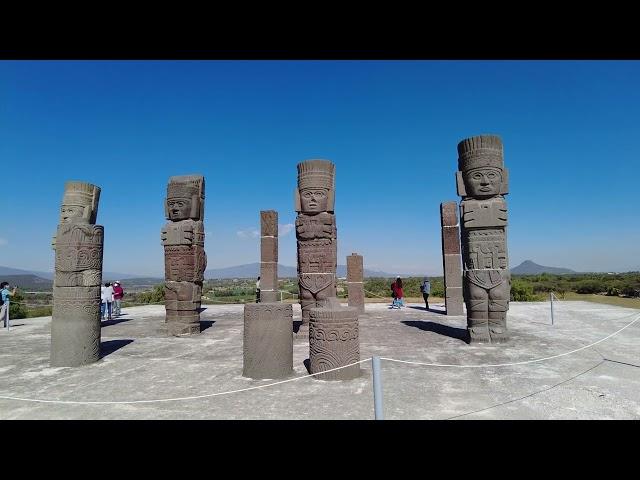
[482, 182]
[451, 262]
[184, 257]
[315, 233]
[268, 256]
[78, 245]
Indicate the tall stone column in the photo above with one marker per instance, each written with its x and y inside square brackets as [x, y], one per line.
[355, 281]
[482, 182]
[268, 340]
[451, 258]
[78, 245]
[184, 257]
[316, 234]
[334, 341]
[268, 256]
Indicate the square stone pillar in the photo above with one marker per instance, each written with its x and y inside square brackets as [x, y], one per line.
[269, 256]
[355, 281]
[451, 258]
[268, 340]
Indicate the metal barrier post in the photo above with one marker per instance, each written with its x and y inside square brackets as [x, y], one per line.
[377, 388]
[551, 298]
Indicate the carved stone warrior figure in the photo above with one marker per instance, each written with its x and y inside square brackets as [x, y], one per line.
[316, 233]
[184, 257]
[78, 245]
[482, 182]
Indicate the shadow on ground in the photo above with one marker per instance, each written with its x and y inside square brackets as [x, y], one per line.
[110, 346]
[296, 325]
[432, 310]
[453, 332]
[204, 324]
[114, 321]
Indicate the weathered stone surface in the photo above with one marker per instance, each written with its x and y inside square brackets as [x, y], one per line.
[269, 296]
[315, 233]
[78, 245]
[482, 182]
[451, 256]
[269, 256]
[268, 223]
[355, 268]
[185, 257]
[355, 279]
[451, 240]
[452, 271]
[268, 276]
[268, 249]
[449, 214]
[334, 342]
[454, 301]
[268, 340]
[355, 290]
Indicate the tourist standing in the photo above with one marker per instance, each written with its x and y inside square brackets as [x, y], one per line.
[398, 293]
[425, 288]
[106, 294]
[258, 290]
[118, 294]
[4, 296]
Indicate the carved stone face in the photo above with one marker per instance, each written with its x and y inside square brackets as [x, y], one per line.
[72, 214]
[314, 200]
[483, 182]
[179, 208]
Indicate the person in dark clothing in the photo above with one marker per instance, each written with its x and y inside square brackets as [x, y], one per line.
[425, 288]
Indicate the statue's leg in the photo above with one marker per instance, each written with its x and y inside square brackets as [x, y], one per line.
[477, 313]
[307, 302]
[498, 306]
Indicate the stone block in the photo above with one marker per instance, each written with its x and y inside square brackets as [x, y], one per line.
[268, 276]
[356, 295]
[268, 340]
[452, 271]
[355, 268]
[334, 342]
[449, 214]
[450, 240]
[268, 223]
[269, 249]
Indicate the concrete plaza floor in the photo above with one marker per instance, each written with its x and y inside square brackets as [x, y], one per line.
[141, 364]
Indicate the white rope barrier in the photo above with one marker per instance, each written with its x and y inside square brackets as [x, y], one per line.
[194, 397]
[485, 365]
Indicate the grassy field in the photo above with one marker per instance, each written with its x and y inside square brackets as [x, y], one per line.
[590, 297]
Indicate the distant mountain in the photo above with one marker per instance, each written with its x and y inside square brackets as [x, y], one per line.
[530, 268]
[4, 271]
[29, 282]
[252, 270]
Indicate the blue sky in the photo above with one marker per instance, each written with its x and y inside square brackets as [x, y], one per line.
[570, 131]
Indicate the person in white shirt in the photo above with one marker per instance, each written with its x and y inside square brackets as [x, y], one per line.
[106, 293]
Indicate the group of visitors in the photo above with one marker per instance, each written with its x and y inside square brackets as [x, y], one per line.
[398, 294]
[111, 300]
